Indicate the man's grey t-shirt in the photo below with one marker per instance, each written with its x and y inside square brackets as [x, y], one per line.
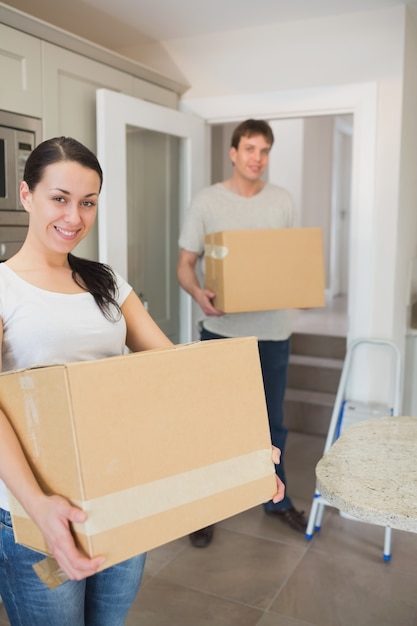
[214, 209]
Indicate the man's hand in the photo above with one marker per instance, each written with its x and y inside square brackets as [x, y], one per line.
[188, 280]
[204, 299]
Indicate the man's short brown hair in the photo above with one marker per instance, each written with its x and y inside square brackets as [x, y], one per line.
[249, 128]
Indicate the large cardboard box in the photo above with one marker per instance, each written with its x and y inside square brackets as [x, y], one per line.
[152, 445]
[260, 270]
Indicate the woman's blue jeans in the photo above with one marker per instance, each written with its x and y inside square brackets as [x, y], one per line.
[274, 357]
[100, 600]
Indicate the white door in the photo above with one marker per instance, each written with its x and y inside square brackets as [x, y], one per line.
[153, 162]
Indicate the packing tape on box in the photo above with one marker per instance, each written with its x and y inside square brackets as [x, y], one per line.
[155, 497]
[215, 252]
[173, 491]
[50, 573]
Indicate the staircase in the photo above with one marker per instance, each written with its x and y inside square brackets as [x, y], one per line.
[314, 371]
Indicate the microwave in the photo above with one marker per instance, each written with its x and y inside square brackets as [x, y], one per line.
[19, 134]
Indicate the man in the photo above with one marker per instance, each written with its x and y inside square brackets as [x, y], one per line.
[244, 201]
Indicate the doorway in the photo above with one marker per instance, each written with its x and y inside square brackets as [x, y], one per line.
[358, 100]
[156, 158]
[312, 159]
[152, 183]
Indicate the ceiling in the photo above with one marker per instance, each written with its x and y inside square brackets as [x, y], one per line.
[126, 23]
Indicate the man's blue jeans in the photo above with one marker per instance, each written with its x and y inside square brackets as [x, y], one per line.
[274, 357]
[101, 600]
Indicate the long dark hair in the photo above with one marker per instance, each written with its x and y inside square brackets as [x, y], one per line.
[97, 278]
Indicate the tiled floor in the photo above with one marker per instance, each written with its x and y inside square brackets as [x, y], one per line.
[331, 320]
[258, 572]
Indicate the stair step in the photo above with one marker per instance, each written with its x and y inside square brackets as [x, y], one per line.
[310, 397]
[310, 419]
[312, 378]
[326, 346]
[307, 411]
[314, 370]
[316, 361]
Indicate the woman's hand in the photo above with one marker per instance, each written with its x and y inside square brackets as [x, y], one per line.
[276, 458]
[280, 491]
[54, 515]
[276, 455]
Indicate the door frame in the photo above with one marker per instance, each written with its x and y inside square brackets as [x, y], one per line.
[339, 223]
[116, 111]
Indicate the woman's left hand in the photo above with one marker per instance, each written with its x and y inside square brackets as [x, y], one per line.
[276, 458]
[276, 455]
[280, 491]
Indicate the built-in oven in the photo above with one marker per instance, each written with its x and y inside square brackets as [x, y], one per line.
[19, 134]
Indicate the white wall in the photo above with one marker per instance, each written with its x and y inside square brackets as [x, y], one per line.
[317, 180]
[407, 214]
[301, 161]
[357, 47]
[286, 159]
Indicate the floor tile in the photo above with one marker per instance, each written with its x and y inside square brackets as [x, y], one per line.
[341, 591]
[159, 557]
[362, 541]
[242, 568]
[330, 320]
[255, 523]
[272, 619]
[162, 603]
[3, 617]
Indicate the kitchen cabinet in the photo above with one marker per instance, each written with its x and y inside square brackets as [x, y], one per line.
[70, 81]
[154, 93]
[20, 71]
[52, 76]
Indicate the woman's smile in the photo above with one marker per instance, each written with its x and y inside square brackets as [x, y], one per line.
[67, 234]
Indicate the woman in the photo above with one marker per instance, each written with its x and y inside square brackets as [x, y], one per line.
[55, 308]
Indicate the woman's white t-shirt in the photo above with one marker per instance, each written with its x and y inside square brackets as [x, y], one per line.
[47, 328]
